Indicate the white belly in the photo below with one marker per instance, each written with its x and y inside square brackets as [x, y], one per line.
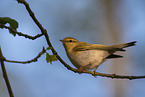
[89, 58]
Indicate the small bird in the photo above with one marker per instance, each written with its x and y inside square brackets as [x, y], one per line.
[86, 56]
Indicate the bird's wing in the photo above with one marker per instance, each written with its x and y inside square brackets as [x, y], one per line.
[83, 46]
[86, 46]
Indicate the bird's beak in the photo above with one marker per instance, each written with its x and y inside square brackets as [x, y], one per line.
[61, 40]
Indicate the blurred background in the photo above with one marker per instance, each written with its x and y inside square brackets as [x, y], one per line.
[94, 21]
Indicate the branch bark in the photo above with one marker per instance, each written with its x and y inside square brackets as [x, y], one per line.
[2, 59]
[29, 61]
[21, 34]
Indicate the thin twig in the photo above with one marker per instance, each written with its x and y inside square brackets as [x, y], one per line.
[29, 61]
[108, 75]
[21, 34]
[2, 59]
[31, 13]
[44, 32]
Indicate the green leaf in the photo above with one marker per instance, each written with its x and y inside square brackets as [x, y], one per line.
[13, 23]
[50, 58]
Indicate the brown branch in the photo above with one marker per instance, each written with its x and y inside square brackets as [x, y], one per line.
[31, 13]
[109, 75]
[21, 34]
[2, 59]
[29, 61]
[44, 32]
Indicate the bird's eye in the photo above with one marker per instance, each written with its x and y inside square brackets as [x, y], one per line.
[70, 41]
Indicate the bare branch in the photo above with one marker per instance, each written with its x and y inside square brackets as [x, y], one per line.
[19, 33]
[111, 75]
[29, 61]
[32, 15]
[2, 59]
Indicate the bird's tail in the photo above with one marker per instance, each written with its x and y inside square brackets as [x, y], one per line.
[120, 47]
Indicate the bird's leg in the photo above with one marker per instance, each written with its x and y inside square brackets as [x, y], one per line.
[95, 71]
[80, 70]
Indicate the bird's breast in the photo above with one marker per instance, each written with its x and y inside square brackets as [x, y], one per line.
[83, 58]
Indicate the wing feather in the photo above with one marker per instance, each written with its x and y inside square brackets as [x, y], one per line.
[87, 46]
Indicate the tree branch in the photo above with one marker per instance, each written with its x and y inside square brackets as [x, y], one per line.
[31, 13]
[21, 34]
[109, 75]
[29, 61]
[2, 59]
[44, 32]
